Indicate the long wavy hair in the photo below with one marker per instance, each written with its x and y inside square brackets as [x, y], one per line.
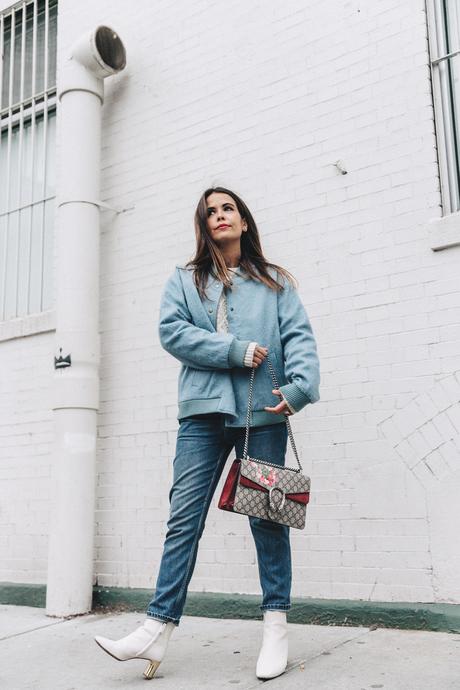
[209, 259]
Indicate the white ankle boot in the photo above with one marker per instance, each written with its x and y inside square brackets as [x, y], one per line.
[147, 642]
[273, 655]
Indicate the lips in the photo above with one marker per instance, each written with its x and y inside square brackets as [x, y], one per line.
[220, 227]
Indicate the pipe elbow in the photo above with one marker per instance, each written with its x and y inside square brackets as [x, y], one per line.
[95, 55]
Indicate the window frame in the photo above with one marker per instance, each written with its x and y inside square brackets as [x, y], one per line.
[445, 117]
[27, 111]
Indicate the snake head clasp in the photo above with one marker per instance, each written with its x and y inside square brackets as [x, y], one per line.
[271, 500]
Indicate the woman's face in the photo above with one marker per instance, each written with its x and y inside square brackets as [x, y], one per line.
[225, 224]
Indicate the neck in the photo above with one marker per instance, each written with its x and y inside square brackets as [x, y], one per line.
[232, 257]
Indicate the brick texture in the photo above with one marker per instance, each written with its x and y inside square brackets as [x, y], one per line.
[265, 98]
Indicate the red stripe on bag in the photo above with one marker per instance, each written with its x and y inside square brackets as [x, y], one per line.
[227, 497]
[303, 497]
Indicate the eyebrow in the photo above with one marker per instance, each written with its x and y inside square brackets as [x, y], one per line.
[226, 203]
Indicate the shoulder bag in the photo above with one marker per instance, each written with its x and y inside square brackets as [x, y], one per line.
[261, 488]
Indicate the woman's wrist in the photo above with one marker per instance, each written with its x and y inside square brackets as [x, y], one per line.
[296, 398]
[249, 356]
[290, 408]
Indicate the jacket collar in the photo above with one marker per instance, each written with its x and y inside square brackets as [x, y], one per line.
[214, 286]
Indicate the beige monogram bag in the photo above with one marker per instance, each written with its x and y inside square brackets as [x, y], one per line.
[262, 488]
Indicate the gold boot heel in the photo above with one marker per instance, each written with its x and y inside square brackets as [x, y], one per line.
[150, 670]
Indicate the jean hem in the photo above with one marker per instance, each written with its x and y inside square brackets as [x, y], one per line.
[275, 607]
[162, 617]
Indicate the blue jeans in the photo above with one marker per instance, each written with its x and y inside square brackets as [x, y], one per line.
[202, 448]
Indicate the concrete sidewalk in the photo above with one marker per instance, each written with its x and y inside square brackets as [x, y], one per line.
[41, 653]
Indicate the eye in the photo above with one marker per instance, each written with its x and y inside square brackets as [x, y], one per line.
[226, 208]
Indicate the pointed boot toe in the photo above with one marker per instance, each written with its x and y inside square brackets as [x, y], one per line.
[108, 645]
[147, 642]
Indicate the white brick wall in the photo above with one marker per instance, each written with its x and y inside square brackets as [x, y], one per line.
[26, 434]
[265, 98]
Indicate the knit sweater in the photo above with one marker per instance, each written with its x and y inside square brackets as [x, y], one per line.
[222, 327]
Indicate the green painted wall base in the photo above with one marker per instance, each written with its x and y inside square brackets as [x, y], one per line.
[380, 614]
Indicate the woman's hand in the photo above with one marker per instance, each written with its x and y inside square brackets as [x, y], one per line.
[282, 407]
[260, 353]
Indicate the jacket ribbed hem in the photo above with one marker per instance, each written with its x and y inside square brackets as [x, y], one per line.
[188, 408]
[259, 418]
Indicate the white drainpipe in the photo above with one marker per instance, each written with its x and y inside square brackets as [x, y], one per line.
[96, 55]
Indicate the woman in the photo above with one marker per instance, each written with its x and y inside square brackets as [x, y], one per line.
[225, 311]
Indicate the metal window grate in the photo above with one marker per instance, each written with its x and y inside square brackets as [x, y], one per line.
[28, 33]
[444, 41]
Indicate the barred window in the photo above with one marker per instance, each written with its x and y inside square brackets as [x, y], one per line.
[444, 42]
[28, 32]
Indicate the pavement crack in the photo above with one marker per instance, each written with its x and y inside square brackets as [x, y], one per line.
[38, 627]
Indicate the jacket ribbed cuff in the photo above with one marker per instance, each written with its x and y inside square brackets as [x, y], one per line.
[289, 406]
[294, 396]
[237, 352]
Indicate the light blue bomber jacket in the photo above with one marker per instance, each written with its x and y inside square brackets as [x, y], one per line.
[213, 377]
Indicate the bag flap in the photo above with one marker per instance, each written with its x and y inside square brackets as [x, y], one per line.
[267, 476]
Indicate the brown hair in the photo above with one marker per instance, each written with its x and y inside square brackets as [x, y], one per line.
[209, 259]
